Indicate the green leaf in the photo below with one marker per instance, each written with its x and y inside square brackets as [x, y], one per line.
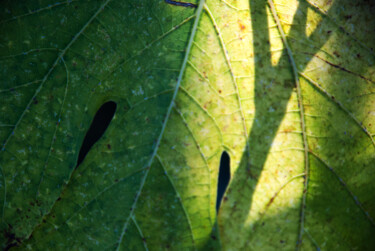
[284, 87]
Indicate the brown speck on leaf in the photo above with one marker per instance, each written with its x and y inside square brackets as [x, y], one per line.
[242, 27]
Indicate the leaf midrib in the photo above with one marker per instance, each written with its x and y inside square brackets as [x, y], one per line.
[154, 154]
[303, 124]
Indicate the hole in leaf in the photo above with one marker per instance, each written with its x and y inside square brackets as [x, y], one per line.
[224, 177]
[97, 128]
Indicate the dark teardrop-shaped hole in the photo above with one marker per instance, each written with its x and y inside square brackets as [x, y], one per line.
[97, 128]
[224, 177]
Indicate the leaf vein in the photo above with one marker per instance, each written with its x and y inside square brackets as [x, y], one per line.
[178, 195]
[184, 63]
[342, 182]
[302, 116]
[339, 104]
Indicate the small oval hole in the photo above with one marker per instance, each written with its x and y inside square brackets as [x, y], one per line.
[224, 177]
[97, 128]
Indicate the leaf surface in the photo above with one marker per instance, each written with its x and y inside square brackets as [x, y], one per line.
[284, 87]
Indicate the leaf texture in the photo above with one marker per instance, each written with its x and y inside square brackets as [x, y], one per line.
[284, 87]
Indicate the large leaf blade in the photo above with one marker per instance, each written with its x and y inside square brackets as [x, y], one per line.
[257, 79]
